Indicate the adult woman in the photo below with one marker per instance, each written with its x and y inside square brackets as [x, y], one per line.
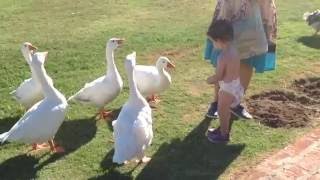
[254, 23]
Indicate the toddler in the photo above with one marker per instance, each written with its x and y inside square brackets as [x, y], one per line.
[227, 77]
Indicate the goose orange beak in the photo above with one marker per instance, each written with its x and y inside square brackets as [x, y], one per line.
[45, 55]
[171, 65]
[120, 41]
[32, 48]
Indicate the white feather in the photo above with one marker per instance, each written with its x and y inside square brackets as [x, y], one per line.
[104, 89]
[41, 122]
[153, 79]
[29, 91]
[133, 127]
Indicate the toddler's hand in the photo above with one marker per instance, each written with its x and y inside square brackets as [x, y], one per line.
[211, 79]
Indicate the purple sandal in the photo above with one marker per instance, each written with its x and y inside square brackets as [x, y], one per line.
[217, 138]
[214, 130]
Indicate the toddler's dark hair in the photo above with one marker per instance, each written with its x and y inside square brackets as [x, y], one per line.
[221, 30]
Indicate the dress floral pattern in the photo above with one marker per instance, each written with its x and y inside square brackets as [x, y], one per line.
[269, 18]
[254, 23]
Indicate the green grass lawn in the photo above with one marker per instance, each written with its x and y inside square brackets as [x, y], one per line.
[75, 33]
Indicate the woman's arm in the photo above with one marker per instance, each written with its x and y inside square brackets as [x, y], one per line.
[269, 19]
[222, 10]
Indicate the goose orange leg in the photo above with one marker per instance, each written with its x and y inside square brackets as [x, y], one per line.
[153, 99]
[104, 114]
[55, 147]
[36, 147]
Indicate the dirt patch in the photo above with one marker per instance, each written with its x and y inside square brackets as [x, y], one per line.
[295, 108]
[310, 87]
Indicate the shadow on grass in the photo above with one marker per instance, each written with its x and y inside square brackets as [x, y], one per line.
[113, 174]
[115, 114]
[7, 123]
[192, 158]
[112, 171]
[107, 164]
[19, 167]
[310, 41]
[72, 135]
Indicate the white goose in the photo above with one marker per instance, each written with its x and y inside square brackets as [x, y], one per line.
[153, 80]
[106, 88]
[41, 122]
[133, 128]
[29, 92]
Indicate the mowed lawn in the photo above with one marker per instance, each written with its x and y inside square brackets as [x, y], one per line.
[75, 34]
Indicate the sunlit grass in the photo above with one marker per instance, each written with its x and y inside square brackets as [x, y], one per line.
[75, 34]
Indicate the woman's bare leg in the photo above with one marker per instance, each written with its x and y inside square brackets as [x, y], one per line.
[216, 93]
[246, 72]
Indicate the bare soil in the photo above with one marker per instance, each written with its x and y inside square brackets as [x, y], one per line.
[294, 107]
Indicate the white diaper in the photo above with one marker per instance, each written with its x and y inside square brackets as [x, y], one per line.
[235, 88]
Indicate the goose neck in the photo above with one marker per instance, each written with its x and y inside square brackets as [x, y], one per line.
[111, 66]
[41, 76]
[133, 92]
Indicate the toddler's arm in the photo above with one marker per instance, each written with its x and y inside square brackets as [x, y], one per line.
[220, 70]
[214, 79]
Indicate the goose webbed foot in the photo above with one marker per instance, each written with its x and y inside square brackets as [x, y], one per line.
[37, 147]
[145, 159]
[104, 114]
[153, 99]
[55, 148]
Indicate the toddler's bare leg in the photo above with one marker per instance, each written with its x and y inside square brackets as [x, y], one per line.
[216, 92]
[224, 103]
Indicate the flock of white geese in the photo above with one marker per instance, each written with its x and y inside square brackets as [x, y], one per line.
[47, 107]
